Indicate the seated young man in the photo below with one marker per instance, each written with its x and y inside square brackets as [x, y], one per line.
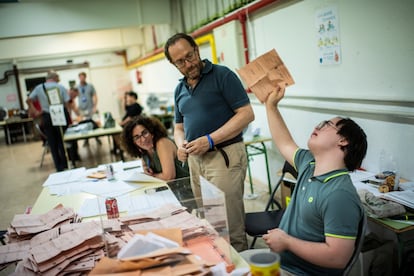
[317, 233]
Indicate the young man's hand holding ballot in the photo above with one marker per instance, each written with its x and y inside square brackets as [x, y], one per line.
[265, 73]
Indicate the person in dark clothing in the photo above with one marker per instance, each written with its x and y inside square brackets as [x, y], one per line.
[132, 108]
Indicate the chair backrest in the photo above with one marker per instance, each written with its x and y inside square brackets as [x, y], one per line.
[358, 244]
[287, 168]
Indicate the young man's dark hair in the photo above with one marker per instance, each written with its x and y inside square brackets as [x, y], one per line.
[356, 148]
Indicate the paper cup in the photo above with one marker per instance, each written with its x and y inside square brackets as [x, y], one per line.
[265, 264]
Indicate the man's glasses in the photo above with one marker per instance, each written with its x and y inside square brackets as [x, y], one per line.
[322, 124]
[144, 134]
[190, 57]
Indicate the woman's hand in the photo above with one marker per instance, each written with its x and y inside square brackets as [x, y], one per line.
[147, 170]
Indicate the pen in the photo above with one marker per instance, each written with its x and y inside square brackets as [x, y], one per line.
[153, 190]
[130, 168]
[403, 217]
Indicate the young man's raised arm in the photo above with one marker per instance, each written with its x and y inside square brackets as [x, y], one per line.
[278, 129]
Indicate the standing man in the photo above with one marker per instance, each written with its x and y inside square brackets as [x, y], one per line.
[211, 111]
[87, 101]
[53, 133]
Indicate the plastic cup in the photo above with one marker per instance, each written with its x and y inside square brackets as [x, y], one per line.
[265, 264]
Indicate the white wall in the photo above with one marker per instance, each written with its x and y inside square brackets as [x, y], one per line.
[373, 84]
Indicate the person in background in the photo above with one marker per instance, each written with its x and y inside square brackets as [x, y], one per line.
[317, 233]
[146, 138]
[53, 133]
[211, 110]
[73, 119]
[132, 108]
[87, 102]
[35, 112]
[73, 109]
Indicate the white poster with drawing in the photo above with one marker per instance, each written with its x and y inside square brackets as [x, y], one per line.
[327, 27]
[53, 95]
[57, 114]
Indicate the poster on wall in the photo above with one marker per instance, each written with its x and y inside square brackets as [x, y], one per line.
[327, 30]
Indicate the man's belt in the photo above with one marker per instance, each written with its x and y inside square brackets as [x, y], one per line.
[220, 147]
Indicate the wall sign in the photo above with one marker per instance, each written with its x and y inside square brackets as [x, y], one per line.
[327, 30]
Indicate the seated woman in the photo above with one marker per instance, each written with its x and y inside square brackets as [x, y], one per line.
[147, 138]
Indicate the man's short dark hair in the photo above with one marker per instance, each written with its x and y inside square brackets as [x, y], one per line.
[172, 40]
[83, 74]
[132, 94]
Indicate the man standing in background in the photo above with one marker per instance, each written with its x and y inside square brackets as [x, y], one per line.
[53, 133]
[211, 110]
[132, 108]
[87, 101]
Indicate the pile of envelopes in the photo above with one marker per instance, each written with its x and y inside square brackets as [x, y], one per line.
[55, 244]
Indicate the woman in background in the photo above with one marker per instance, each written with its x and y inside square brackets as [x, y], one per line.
[146, 138]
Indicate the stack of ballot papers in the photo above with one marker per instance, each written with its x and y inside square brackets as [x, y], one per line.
[25, 226]
[181, 244]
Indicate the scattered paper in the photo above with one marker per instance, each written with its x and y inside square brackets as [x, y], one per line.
[145, 244]
[65, 177]
[405, 198]
[263, 74]
[136, 176]
[407, 186]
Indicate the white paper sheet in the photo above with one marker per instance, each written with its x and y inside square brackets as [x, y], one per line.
[96, 206]
[151, 201]
[405, 198]
[132, 204]
[105, 188]
[65, 177]
[136, 176]
[359, 175]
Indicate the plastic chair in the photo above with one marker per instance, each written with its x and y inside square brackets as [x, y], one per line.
[45, 144]
[258, 223]
[358, 245]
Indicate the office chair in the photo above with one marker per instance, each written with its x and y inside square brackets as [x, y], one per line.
[358, 245]
[45, 144]
[258, 223]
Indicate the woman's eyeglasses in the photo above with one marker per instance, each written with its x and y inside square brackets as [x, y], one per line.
[190, 57]
[144, 134]
[322, 124]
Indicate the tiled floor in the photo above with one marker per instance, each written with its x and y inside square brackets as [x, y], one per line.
[21, 176]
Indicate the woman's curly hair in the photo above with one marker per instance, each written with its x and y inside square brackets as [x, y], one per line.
[152, 124]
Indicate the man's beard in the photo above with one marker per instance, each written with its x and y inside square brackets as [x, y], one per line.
[198, 66]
